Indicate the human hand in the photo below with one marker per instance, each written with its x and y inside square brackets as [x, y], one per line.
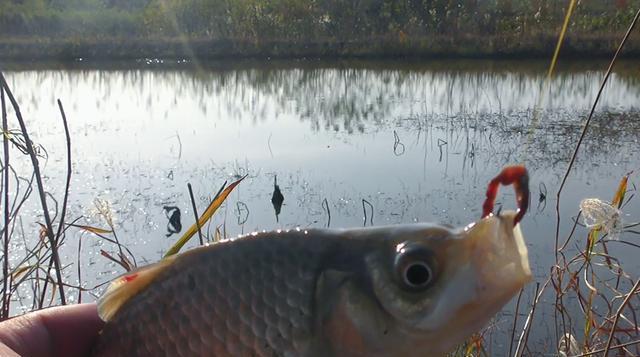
[58, 331]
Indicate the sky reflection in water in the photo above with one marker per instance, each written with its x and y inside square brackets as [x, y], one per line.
[419, 142]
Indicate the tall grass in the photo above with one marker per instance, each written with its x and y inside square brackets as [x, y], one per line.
[605, 293]
[212, 28]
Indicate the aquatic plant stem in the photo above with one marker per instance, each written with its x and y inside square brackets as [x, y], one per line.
[5, 261]
[618, 313]
[40, 185]
[622, 345]
[325, 205]
[588, 122]
[65, 199]
[524, 335]
[195, 213]
[515, 321]
[364, 209]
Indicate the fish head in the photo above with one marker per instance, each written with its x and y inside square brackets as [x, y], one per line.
[428, 288]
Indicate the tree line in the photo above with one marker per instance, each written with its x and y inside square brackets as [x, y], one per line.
[301, 19]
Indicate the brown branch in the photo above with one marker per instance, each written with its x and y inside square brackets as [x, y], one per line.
[195, 212]
[618, 313]
[588, 121]
[5, 263]
[65, 199]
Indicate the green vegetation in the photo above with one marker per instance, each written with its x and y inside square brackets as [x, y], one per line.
[215, 28]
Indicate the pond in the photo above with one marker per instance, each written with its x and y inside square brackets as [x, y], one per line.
[418, 141]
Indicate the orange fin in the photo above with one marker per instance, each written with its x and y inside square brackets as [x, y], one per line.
[127, 286]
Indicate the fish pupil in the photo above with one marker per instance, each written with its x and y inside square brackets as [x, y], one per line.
[415, 266]
[417, 274]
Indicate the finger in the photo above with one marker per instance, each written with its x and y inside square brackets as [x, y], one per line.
[58, 331]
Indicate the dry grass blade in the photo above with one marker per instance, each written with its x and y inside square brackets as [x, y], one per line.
[123, 263]
[565, 25]
[618, 313]
[552, 66]
[195, 212]
[524, 335]
[41, 192]
[595, 352]
[515, 320]
[618, 198]
[66, 195]
[5, 263]
[94, 230]
[208, 213]
[17, 273]
[605, 79]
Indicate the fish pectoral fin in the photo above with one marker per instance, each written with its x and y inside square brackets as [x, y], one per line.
[128, 285]
[327, 284]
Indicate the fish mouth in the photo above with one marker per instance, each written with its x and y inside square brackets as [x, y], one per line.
[486, 269]
[500, 253]
[500, 259]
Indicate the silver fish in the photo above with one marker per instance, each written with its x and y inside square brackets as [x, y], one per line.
[405, 290]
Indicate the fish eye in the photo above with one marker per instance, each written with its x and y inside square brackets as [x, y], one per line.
[417, 274]
[414, 266]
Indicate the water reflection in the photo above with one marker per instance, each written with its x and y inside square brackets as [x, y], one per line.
[350, 143]
[277, 198]
[174, 225]
[336, 99]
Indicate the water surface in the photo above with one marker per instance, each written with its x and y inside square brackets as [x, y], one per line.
[418, 141]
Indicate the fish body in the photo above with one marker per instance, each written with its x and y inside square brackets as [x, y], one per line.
[406, 290]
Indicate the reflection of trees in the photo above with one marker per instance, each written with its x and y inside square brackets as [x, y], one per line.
[367, 95]
[495, 140]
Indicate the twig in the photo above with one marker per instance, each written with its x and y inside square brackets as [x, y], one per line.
[220, 191]
[66, 195]
[5, 262]
[618, 313]
[119, 262]
[515, 320]
[79, 271]
[588, 121]
[195, 212]
[69, 171]
[524, 336]
[622, 345]
[40, 185]
[573, 229]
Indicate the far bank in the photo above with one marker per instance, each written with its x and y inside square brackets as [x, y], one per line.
[585, 46]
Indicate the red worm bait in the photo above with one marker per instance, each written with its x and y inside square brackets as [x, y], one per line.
[517, 176]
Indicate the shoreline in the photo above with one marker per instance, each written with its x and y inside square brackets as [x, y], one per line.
[515, 47]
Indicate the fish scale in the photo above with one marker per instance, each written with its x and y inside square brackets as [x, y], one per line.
[261, 294]
[406, 290]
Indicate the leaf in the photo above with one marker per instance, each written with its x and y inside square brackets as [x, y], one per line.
[592, 238]
[618, 199]
[91, 229]
[213, 206]
[122, 263]
[21, 270]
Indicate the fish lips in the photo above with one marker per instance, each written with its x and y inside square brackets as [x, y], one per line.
[492, 269]
[499, 253]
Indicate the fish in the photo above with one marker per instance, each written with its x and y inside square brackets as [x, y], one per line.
[416, 289]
